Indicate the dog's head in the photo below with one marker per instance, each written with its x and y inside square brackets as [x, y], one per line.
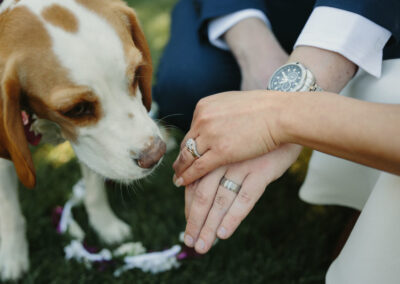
[84, 65]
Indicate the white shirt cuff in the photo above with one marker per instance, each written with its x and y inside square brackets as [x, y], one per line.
[351, 35]
[219, 26]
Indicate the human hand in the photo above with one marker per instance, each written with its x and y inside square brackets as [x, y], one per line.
[257, 52]
[213, 211]
[228, 128]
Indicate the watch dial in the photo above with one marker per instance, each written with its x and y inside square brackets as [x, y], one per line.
[287, 78]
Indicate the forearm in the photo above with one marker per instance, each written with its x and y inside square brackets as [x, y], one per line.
[362, 132]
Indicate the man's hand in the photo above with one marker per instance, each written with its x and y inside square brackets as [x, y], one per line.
[257, 52]
[213, 211]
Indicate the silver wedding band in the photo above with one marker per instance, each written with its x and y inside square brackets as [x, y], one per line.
[192, 148]
[230, 185]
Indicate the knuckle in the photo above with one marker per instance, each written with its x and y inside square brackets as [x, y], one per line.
[244, 197]
[203, 118]
[182, 157]
[199, 165]
[183, 144]
[221, 202]
[223, 147]
[201, 198]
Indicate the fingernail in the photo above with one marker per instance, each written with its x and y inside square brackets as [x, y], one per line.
[188, 241]
[200, 245]
[221, 232]
[178, 182]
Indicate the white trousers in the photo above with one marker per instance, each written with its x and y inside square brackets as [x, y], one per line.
[372, 252]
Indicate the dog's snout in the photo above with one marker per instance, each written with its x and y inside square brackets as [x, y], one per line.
[150, 156]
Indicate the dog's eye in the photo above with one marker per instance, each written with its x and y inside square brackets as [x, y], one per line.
[81, 110]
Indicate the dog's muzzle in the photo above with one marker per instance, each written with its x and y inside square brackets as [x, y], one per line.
[150, 156]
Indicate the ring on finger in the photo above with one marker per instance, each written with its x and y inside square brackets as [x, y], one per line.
[192, 148]
[230, 185]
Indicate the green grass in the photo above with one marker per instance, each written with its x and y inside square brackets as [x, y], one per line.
[282, 241]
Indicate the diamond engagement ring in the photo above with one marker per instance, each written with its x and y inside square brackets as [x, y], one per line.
[192, 148]
[230, 185]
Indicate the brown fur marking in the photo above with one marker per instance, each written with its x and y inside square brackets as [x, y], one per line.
[61, 17]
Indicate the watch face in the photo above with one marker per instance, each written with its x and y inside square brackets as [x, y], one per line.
[289, 78]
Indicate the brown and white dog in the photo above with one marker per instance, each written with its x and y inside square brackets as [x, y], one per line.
[83, 66]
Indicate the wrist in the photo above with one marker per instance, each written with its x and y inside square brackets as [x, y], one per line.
[286, 112]
[252, 42]
[277, 113]
[287, 116]
[256, 51]
[331, 70]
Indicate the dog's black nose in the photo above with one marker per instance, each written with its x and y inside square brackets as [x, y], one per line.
[150, 156]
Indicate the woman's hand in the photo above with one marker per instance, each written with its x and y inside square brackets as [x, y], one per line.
[228, 128]
[212, 210]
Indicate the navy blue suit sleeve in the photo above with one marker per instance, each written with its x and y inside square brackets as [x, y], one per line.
[209, 9]
[385, 13]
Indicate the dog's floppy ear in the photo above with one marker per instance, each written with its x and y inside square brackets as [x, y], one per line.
[145, 72]
[13, 142]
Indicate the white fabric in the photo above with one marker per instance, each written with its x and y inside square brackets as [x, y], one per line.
[353, 36]
[219, 26]
[372, 253]
[373, 249]
[333, 181]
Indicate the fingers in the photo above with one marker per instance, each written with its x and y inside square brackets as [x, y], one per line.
[202, 199]
[218, 212]
[199, 167]
[186, 159]
[222, 202]
[189, 195]
[252, 189]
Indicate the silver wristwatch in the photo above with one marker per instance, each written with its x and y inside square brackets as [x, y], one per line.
[293, 77]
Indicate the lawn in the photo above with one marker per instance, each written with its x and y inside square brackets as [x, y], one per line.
[282, 241]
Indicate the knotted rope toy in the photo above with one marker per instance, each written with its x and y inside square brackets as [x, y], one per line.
[133, 253]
